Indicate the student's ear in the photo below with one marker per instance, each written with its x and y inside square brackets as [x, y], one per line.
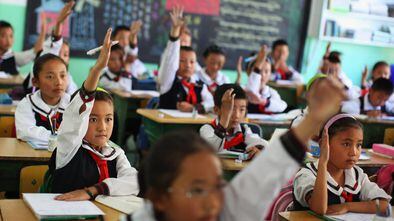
[158, 200]
[35, 82]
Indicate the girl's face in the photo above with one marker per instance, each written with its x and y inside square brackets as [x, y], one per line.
[100, 123]
[115, 63]
[345, 148]
[265, 73]
[214, 63]
[6, 39]
[65, 53]
[196, 194]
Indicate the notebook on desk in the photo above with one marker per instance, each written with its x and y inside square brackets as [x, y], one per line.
[45, 207]
[124, 204]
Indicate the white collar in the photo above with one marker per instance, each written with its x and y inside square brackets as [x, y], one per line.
[208, 80]
[41, 107]
[109, 152]
[237, 129]
[193, 79]
[9, 53]
[367, 105]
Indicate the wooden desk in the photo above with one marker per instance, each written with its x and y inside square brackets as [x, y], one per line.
[374, 130]
[14, 155]
[270, 126]
[297, 216]
[126, 104]
[11, 210]
[10, 82]
[7, 110]
[291, 94]
[156, 123]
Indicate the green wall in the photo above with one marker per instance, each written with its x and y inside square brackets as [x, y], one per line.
[354, 57]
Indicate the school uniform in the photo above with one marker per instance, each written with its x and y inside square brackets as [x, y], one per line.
[274, 103]
[291, 75]
[357, 187]
[33, 117]
[241, 139]
[174, 89]
[362, 105]
[110, 80]
[212, 84]
[10, 61]
[265, 175]
[75, 164]
[137, 69]
[352, 91]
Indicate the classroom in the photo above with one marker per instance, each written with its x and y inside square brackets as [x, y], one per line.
[171, 110]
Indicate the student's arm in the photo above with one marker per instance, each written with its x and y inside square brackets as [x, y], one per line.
[24, 57]
[357, 207]
[206, 99]
[25, 124]
[351, 106]
[267, 173]
[275, 104]
[63, 15]
[254, 143]
[239, 71]
[132, 48]
[170, 58]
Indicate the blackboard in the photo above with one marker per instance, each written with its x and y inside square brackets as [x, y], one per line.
[239, 26]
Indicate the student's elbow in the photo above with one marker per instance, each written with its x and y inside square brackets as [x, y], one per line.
[319, 209]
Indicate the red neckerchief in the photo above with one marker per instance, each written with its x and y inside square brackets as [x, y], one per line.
[191, 95]
[102, 165]
[55, 116]
[212, 87]
[233, 142]
[282, 73]
[348, 196]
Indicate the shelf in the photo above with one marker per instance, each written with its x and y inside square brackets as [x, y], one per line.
[359, 16]
[358, 42]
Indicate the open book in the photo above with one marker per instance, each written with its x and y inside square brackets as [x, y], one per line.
[124, 204]
[44, 206]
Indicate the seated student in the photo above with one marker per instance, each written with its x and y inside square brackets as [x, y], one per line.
[279, 55]
[211, 75]
[179, 87]
[228, 132]
[127, 37]
[374, 103]
[114, 76]
[381, 69]
[187, 184]
[36, 113]
[334, 184]
[263, 98]
[85, 162]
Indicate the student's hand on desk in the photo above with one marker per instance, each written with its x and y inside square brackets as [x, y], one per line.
[76, 195]
[252, 152]
[184, 106]
[374, 113]
[337, 209]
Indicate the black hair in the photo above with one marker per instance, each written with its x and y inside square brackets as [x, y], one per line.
[42, 60]
[383, 84]
[187, 48]
[278, 43]
[117, 47]
[5, 24]
[103, 96]
[238, 91]
[213, 49]
[119, 28]
[342, 125]
[378, 64]
[334, 57]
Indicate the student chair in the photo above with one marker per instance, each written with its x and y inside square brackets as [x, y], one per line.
[31, 178]
[256, 129]
[153, 103]
[7, 125]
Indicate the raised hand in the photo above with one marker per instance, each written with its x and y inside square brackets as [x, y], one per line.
[328, 50]
[135, 28]
[261, 57]
[177, 21]
[39, 45]
[364, 76]
[227, 107]
[324, 148]
[239, 70]
[63, 14]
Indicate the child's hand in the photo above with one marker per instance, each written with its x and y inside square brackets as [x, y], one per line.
[261, 57]
[135, 28]
[177, 21]
[364, 76]
[76, 195]
[252, 152]
[184, 106]
[337, 209]
[328, 50]
[227, 107]
[324, 148]
[103, 58]
[239, 70]
[374, 113]
[39, 45]
[63, 14]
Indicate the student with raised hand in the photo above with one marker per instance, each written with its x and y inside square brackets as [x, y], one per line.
[381, 69]
[179, 87]
[263, 98]
[85, 162]
[334, 184]
[228, 131]
[187, 184]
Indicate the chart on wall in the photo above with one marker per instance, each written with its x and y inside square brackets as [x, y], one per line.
[238, 26]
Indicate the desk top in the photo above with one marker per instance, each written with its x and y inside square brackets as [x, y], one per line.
[14, 149]
[286, 123]
[286, 85]
[159, 117]
[297, 216]
[18, 210]
[7, 109]
[13, 80]
[137, 95]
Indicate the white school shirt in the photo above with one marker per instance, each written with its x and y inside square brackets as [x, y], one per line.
[219, 80]
[167, 72]
[276, 104]
[305, 179]
[21, 58]
[207, 132]
[353, 106]
[296, 76]
[70, 138]
[266, 174]
[137, 68]
[25, 121]
[107, 81]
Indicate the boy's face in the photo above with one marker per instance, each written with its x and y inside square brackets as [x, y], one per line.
[265, 73]
[281, 53]
[115, 63]
[100, 123]
[238, 115]
[378, 98]
[52, 81]
[123, 38]
[186, 64]
[196, 194]
[214, 63]
[382, 71]
[186, 40]
[6, 39]
[65, 53]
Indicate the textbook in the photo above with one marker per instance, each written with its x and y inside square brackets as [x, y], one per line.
[124, 204]
[228, 154]
[45, 207]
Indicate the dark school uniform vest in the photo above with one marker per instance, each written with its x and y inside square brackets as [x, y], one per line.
[43, 120]
[177, 93]
[9, 66]
[362, 111]
[333, 198]
[82, 171]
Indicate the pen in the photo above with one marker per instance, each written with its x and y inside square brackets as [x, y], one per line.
[95, 50]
